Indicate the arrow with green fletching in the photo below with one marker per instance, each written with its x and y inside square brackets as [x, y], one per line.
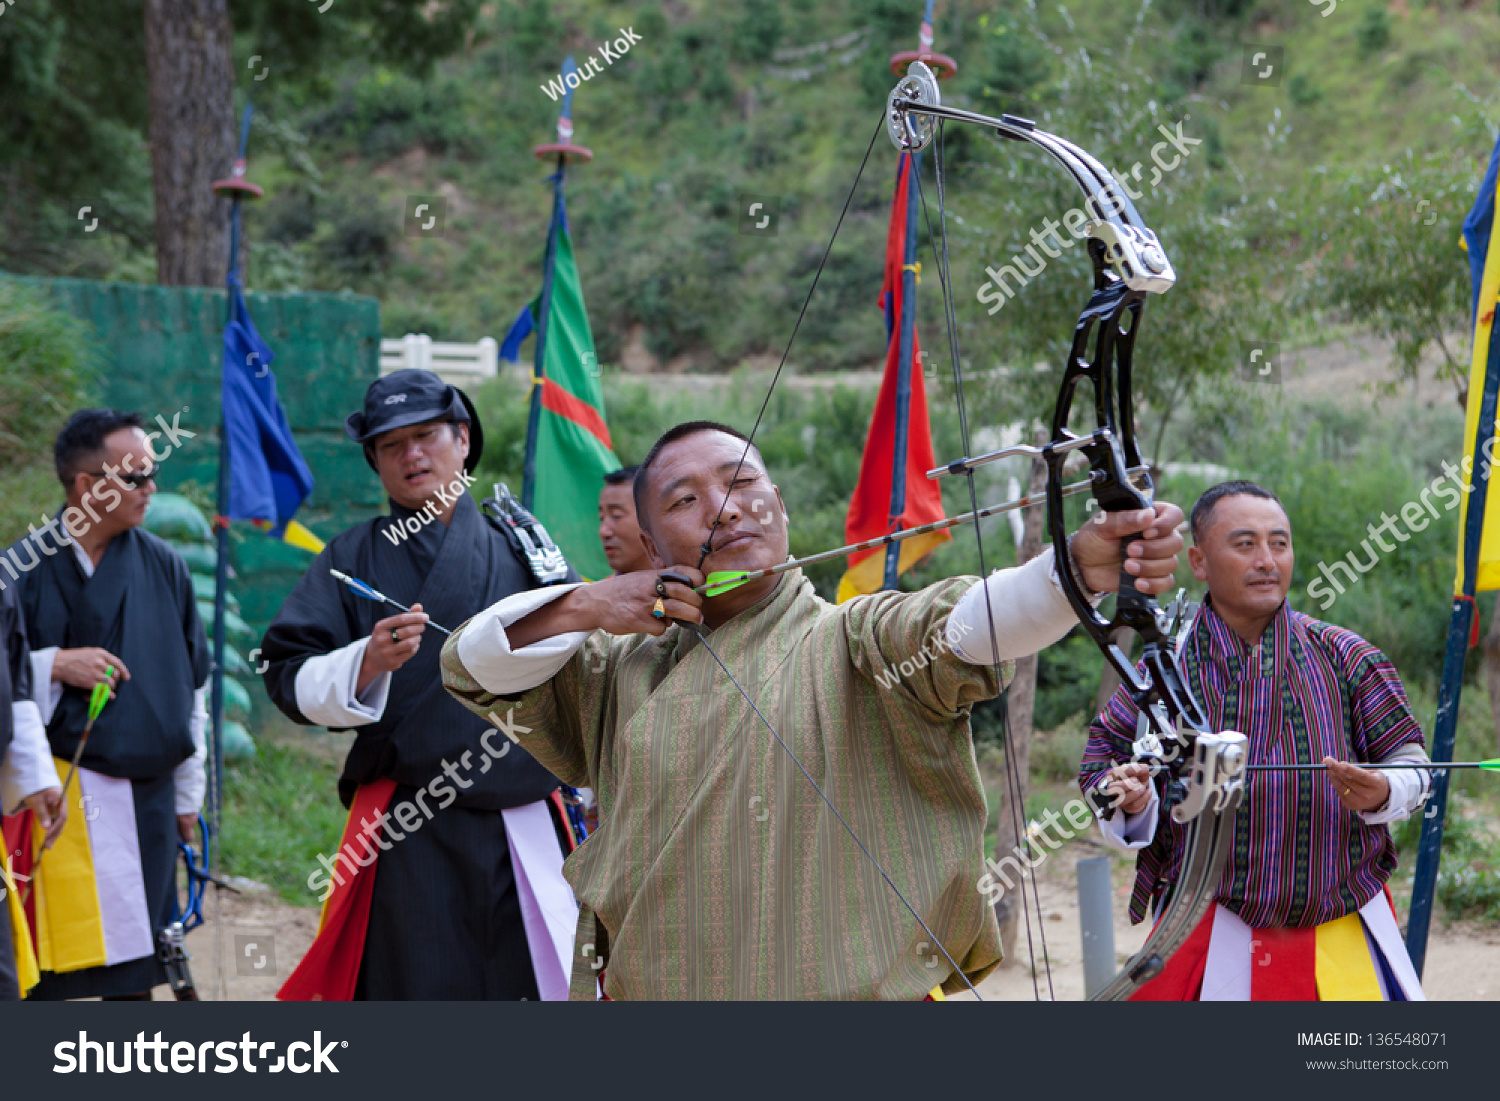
[98, 698]
[723, 581]
[1436, 766]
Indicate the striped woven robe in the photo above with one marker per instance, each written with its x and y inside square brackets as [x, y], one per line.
[716, 871]
[1301, 859]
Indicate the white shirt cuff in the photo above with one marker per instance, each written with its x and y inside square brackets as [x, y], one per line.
[485, 650]
[327, 689]
[1409, 788]
[46, 692]
[1029, 607]
[189, 778]
[27, 766]
[1130, 832]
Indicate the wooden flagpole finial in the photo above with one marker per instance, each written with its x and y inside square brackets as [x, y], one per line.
[941, 65]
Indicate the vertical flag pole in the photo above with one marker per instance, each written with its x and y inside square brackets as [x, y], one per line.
[236, 188]
[910, 165]
[566, 153]
[1463, 625]
[943, 67]
[539, 371]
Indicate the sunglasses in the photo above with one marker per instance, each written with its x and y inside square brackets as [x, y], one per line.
[134, 481]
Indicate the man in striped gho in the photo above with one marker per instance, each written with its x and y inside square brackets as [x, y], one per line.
[1302, 913]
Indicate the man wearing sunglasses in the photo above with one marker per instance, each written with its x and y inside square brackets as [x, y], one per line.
[106, 602]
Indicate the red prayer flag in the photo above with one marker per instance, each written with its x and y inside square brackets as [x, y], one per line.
[869, 509]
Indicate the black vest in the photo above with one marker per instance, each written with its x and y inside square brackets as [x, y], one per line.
[139, 606]
[453, 574]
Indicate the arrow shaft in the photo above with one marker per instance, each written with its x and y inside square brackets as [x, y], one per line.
[900, 536]
[62, 804]
[369, 592]
[1493, 766]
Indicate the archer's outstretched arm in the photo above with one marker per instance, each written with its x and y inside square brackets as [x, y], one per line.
[1027, 603]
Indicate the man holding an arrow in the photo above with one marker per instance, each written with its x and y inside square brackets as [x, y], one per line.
[461, 897]
[719, 871]
[112, 606]
[1302, 912]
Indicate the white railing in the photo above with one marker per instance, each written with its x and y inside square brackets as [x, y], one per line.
[453, 363]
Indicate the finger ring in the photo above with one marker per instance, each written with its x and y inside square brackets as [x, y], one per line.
[659, 610]
[394, 636]
[661, 587]
[1346, 792]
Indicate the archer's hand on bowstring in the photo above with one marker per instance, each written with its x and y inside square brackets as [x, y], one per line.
[51, 812]
[85, 667]
[394, 641]
[621, 605]
[1151, 560]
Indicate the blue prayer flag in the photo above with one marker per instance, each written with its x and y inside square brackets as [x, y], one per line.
[268, 478]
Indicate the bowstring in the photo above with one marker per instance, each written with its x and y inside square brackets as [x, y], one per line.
[708, 546]
[1013, 780]
[749, 442]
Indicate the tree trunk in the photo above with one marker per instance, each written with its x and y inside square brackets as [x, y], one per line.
[190, 83]
[1020, 702]
[1492, 666]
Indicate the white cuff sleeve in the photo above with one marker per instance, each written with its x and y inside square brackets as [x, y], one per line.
[1030, 612]
[46, 693]
[1129, 832]
[189, 778]
[1409, 787]
[326, 689]
[27, 766]
[485, 650]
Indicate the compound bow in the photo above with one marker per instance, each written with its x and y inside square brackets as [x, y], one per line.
[1205, 769]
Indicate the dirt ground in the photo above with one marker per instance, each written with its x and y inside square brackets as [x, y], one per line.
[264, 937]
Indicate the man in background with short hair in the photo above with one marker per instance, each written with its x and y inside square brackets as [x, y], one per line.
[106, 602]
[1302, 912]
[619, 530]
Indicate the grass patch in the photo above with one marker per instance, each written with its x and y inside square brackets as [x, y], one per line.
[281, 810]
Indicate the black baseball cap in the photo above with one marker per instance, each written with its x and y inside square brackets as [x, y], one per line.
[408, 397]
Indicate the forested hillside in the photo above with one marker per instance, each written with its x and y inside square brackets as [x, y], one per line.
[770, 100]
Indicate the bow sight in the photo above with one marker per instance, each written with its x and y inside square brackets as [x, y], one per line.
[1205, 768]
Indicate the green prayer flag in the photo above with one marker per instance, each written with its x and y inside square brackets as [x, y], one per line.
[573, 447]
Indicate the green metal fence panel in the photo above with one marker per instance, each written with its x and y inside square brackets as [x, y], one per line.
[161, 349]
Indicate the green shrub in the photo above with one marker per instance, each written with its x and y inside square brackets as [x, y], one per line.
[1373, 31]
[1303, 91]
[47, 370]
